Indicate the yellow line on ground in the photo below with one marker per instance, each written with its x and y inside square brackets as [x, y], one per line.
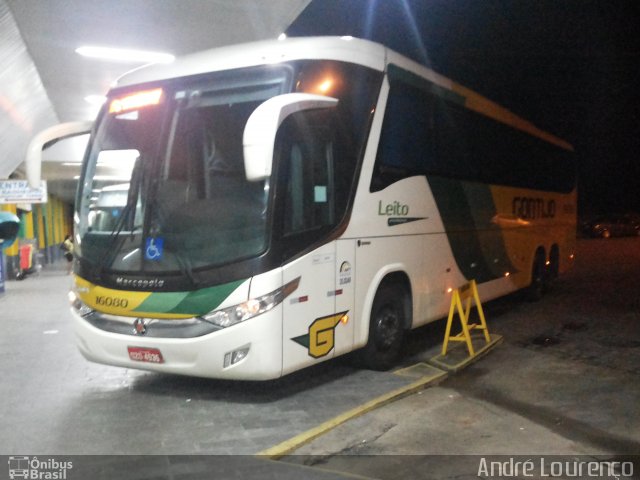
[296, 442]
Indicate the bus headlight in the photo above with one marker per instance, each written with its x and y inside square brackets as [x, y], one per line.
[78, 305]
[253, 307]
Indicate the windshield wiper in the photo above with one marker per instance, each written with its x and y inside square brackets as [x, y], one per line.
[186, 269]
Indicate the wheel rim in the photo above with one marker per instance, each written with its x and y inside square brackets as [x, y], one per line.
[537, 280]
[554, 265]
[387, 328]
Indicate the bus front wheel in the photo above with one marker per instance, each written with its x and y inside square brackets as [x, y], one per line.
[386, 328]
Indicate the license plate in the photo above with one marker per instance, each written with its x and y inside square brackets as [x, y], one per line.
[142, 354]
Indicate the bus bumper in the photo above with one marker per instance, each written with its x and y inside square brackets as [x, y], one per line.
[204, 356]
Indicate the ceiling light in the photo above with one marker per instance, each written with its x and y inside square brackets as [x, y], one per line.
[95, 99]
[106, 178]
[124, 55]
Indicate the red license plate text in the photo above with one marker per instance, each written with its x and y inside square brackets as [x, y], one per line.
[142, 354]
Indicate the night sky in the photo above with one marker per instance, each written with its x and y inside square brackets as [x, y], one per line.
[572, 67]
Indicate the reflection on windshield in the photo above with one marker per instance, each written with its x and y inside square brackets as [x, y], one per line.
[107, 203]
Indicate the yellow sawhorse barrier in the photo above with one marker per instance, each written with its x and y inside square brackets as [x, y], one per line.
[466, 294]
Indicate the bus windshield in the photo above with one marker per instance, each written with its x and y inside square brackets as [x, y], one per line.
[164, 189]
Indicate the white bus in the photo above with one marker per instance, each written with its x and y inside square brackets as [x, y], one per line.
[291, 201]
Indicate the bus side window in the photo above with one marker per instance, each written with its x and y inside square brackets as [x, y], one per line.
[294, 203]
[422, 134]
[407, 138]
[426, 133]
[306, 178]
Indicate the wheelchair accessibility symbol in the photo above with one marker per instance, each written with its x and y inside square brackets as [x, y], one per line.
[154, 248]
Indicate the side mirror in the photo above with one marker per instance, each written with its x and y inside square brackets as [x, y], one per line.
[9, 227]
[33, 160]
[260, 132]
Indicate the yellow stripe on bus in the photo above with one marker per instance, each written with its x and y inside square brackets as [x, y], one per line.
[115, 302]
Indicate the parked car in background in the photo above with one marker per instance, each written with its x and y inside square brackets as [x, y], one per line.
[613, 225]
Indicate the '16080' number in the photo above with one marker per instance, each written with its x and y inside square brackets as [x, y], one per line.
[112, 302]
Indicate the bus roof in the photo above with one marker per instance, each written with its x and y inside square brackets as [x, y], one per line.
[346, 49]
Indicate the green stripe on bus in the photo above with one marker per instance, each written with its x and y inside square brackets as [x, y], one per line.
[477, 243]
[197, 302]
[161, 302]
[203, 301]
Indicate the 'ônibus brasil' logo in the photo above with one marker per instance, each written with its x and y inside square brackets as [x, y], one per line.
[321, 337]
[33, 468]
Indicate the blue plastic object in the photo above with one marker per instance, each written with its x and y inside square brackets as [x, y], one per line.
[9, 228]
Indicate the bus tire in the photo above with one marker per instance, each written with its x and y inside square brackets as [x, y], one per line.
[535, 290]
[553, 268]
[386, 328]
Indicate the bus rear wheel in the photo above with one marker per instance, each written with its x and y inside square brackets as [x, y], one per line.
[386, 328]
[552, 268]
[535, 290]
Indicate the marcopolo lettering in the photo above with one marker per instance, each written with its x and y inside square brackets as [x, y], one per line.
[143, 283]
[395, 208]
[529, 208]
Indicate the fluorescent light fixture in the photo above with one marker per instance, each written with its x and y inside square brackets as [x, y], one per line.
[116, 158]
[96, 100]
[124, 55]
[113, 178]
